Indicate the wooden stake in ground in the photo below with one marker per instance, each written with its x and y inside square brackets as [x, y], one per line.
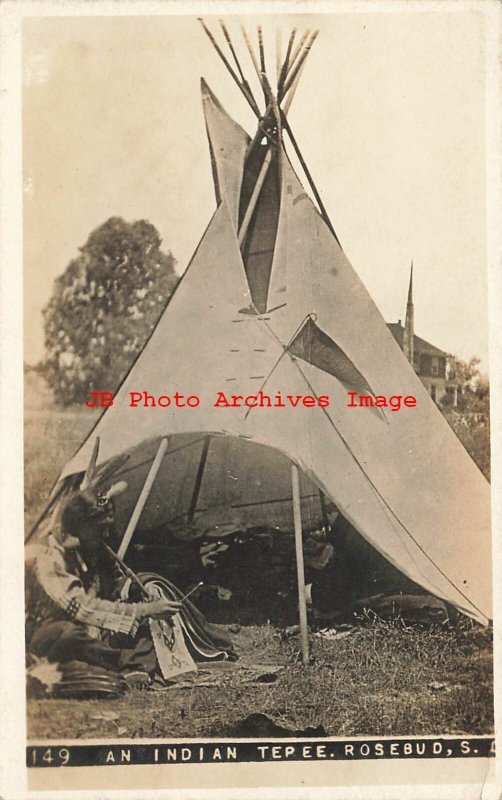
[300, 570]
[142, 499]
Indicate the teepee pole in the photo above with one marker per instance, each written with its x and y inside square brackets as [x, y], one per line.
[261, 50]
[225, 60]
[232, 50]
[300, 569]
[278, 55]
[254, 197]
[198, 479]
[287, 94]
[295, 70]
[292, 91]
[285, 66]
[244, 82]
[138, 508]
[310, 179]
[253, 56]
[296, 51]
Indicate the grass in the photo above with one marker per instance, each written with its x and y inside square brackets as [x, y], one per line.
[384, 678]
[51, 436]
[381, 680]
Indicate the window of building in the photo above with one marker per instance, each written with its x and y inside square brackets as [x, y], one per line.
[435, 366]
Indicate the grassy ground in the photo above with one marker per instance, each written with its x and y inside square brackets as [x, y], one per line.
[51, 436]
[381, 679]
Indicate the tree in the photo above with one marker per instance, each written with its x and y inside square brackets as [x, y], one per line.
[471, 419]
[104, 307]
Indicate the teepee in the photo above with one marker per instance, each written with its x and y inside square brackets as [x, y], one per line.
[270, 303]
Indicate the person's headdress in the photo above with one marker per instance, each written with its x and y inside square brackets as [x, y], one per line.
[93, 502]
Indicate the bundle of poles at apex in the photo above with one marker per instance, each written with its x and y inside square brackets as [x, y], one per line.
[273, 121]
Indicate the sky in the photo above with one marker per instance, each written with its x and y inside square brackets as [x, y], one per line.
[389, 115]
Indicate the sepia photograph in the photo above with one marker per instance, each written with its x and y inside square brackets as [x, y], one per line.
[257, 462]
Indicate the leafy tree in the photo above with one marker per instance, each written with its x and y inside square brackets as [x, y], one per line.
[104, 307]
[470, 420]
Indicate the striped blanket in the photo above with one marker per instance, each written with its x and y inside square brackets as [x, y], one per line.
[189, 637]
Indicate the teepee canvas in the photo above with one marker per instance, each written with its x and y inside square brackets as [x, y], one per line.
[270, 307]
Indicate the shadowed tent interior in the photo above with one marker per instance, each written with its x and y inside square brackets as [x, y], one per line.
[243, 485]
[270, 302]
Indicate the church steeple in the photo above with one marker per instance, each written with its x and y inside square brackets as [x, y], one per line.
[409, 325]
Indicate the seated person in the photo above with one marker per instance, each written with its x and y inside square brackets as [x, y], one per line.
[74, 609]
